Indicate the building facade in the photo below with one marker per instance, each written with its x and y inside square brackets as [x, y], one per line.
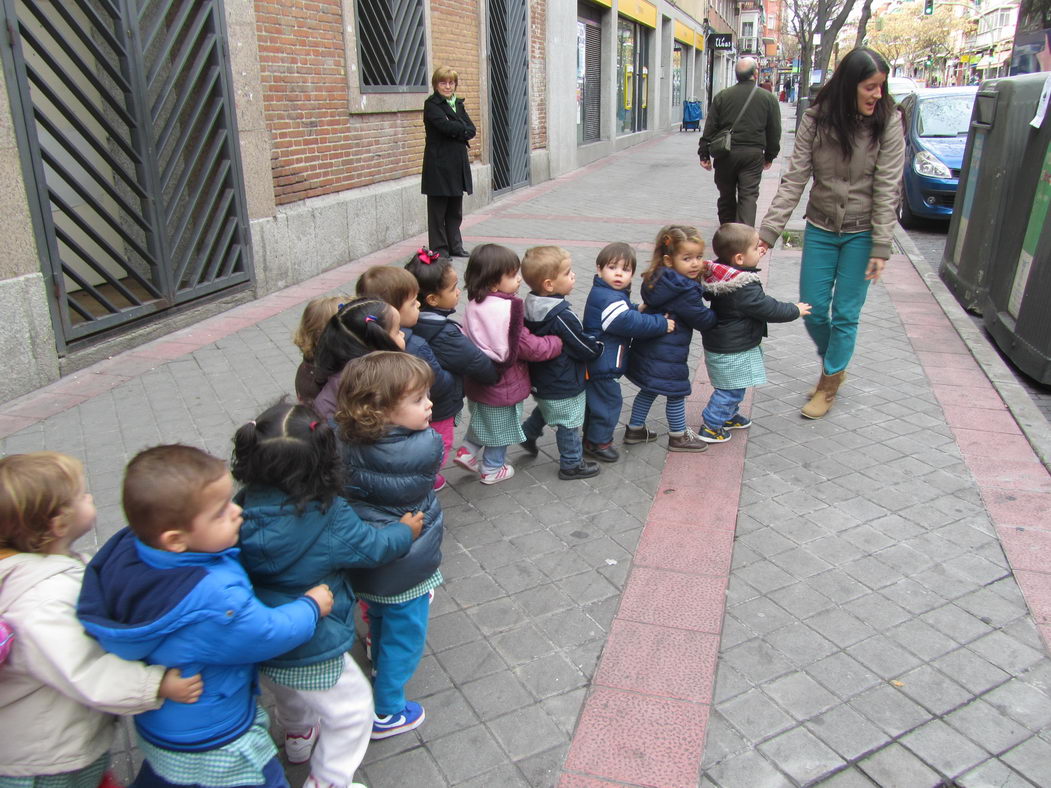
[167, 160]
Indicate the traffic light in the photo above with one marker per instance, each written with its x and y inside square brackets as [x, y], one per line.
[928, 7]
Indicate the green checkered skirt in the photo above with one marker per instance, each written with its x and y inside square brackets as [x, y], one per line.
[568, 412]
[495, 425]
[736, 370]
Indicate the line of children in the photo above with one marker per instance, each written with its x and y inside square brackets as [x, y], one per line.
[558, 383]
[316, 315]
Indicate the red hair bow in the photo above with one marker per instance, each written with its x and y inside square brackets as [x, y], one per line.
[426, 256]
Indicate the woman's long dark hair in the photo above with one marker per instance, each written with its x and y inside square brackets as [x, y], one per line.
[837, 102]
[357, 328]
[291, 448]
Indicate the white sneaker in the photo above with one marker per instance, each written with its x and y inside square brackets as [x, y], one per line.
[298, 748]
[501, 474]
[466, 460]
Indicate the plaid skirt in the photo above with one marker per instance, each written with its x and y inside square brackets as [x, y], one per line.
[495, 425]
[736, 370]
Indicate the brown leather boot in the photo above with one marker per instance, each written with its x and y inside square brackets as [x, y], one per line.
[824, 395]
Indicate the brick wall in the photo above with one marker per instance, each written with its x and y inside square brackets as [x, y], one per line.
[538, 73]
[318, 147]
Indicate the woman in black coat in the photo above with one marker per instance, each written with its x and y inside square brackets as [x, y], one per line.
[446, 170]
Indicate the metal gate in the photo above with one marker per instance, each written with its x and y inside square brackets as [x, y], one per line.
[509, 92]
[129, 132]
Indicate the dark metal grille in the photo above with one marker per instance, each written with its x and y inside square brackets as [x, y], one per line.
[592, 82]
[131, 135]
[509, 87]
[392, 44]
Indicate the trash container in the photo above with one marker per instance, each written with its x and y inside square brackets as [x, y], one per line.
[991, 165]
[1017, 308]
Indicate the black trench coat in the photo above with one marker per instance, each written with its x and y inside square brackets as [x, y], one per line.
[446, 171]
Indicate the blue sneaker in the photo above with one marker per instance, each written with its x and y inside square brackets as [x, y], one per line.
[737, 422]
[409, 718]
[709, 435]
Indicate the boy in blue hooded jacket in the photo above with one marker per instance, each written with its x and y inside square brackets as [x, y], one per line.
[170, 590]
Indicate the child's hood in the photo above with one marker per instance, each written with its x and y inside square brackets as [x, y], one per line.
[130, 604]
[723, 278]
[668, 284]
[20, 574]
[539, 308]
[274, 537]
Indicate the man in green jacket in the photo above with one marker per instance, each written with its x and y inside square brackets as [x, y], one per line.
[754, 143]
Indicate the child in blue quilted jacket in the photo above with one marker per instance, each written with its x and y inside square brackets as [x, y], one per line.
[610, 317]
[298, 532]
[659, 365]
[391, 456]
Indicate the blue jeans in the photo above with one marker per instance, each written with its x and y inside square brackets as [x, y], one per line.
[399, 631]
[273, 777]
[605, 401]
[570, 446]
[832, 280]
[722, 406]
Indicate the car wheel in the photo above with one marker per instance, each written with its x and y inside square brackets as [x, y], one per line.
[906, 218]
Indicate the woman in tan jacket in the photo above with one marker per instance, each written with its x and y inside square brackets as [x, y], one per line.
[852, 143]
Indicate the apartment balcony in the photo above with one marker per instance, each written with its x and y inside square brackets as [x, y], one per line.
[750, 45]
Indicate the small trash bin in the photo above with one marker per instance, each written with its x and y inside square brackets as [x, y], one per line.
[1017, 309]
[991, 165]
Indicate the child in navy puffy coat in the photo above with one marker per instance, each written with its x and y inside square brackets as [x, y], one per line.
[610, 316]
[660, 365]
[438, 296]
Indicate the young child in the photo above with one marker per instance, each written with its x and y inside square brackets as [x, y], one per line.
[557, 384]
[495, 321]
[660, 365]
[58, 688]
[391, 456]
[438, 296]
[399, 288]
[297, 533]
[316, 315]
[170, 589]
[733, 354]
[610, 316]
[363, 325]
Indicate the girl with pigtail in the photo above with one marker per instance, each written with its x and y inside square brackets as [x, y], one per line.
[298, 532]
[660, 365]
[359, 327]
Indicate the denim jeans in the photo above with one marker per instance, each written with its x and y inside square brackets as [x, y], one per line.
[605, 400]
[570, 445]
[722, 406]
[832, 280]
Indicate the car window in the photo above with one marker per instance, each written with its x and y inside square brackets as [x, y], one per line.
[947, 116]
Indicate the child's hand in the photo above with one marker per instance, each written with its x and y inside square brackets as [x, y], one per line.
[642, 307]
[804, 309]
[321, 594]
[671, 323]
[179, 689]
[415, 521]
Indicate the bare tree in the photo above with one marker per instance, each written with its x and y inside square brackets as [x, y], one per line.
[863, 22]
[809, 16]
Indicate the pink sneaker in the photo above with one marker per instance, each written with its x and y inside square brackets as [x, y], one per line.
[465, 459]
[298, 748]
[439, 483]
[501, 474]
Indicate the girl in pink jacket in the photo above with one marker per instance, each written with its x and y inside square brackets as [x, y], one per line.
[494, 322]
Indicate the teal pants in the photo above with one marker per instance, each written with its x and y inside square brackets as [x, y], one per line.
[832, 280]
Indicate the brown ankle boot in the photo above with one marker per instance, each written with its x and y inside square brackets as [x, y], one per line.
[824, 395]
[688, 441]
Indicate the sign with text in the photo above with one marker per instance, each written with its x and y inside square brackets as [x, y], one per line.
[721, 41]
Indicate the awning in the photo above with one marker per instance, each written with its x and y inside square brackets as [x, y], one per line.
[987, 61]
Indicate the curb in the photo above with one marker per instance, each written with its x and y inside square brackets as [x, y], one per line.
[1029, 417]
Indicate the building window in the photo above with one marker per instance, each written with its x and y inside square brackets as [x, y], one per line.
[392, 45]
[747, 29]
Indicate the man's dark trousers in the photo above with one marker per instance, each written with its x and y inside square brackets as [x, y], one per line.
[737, 176]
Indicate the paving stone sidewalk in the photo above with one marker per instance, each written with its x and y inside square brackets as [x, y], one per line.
[874, 633]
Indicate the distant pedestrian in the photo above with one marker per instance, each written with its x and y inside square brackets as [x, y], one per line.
[315, 317]
[733, 352]
[660, 365]
[610, 316]
[495, 322]
[750, 119]
[767, 85]
[446, 168]
[852, 143]
[300, 532]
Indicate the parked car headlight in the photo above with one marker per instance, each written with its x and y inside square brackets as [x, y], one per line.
[926, 163]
